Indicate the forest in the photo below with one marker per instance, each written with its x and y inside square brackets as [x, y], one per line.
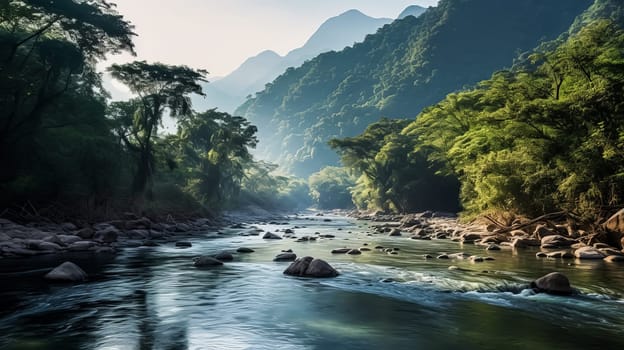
[545, 134]
[65, 147]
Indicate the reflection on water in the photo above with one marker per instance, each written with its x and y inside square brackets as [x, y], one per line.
[154, 298]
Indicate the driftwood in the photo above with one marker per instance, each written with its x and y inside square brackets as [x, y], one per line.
[507, 229]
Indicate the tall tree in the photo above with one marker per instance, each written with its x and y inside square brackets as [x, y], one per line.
[160, 88]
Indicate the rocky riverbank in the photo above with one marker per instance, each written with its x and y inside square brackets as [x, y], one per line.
[37, 238]
[555, 235]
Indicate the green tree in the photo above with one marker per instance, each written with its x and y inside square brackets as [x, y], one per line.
[159, 88]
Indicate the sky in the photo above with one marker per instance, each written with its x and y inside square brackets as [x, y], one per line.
[218, 35]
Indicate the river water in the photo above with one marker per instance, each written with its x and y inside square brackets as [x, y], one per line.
[154, 298]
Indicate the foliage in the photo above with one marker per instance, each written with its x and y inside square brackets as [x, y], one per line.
[392, 177]
[330, 188]
[159, 88]
[403, 68]
[543, 138]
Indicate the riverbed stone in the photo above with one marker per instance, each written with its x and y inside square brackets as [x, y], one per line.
[561, 254]
[340, 250]
[108, 235]
[588, 253]
[224, 256]
[270, 235]
[553, 283]
[493, 247]
[556, 241]
[206, 261]
[86, 233]
[310, 267]
[285, 257]
[81, 246]
[614, 258]
[67, 272]
[354, 252]
[244, 250]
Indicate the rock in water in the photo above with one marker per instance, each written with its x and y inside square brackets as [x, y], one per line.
[310, 267]
[588, 253]
[270, 235]
[244, 250]
[224, 256]
[206, 261]
[67, 272]
[553, 283]
[285, 257]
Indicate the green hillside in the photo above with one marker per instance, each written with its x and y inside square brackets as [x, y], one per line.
[403, 68]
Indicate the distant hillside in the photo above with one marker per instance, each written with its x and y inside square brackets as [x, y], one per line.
[407, 65]
[334, 34]
[413, 10]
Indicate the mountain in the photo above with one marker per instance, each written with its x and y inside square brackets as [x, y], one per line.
[413, 10]
[406, 66]
[334, 34]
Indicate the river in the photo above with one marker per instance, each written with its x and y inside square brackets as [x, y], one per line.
[154, 298]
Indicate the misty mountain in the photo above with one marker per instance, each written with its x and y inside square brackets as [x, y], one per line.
[413, 10]
[406, 66]
[334, 34]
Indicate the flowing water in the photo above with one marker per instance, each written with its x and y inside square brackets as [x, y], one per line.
[153, 298]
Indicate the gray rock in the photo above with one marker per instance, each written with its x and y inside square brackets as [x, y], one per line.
[206, 261]
[285, 257]
[68, 226]
[224, 256]
[493, 247]
[81, 246]
[562, 254]
[270, 235]
[49, 246]
[106, 236]
[310, 267]
[395, 232]
[68, 240]
[614, 258]
[354, 252]
[86, 233]
[341, 251]
[67, 272]
[556, 241]
[244, 250]
[589, 253]
[553, 283]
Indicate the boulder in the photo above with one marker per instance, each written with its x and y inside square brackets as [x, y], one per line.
[67, 272]
[556, 241]
[470, 237]
[206, 261]
[86, 233]
[270, 235]
[244, 250]
[49, 246]
[588, 253]
[542, 231]
[493, 247]
[354, 252]
[395, 232]
[108, 235]
[68, 226]
[562, 254]
[341, 251]
[310, 267]
[614, 258]
[285, 257]
[81, 245]
[524, 242]
[224, 256]
[553, 283]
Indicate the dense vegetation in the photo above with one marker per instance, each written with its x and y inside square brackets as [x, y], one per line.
[406, 66]
[63, 145]
[544, 136]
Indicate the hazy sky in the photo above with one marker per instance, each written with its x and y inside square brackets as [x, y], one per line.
[218, 35]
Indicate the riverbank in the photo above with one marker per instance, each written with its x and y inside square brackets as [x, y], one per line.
[107, 237]
[556, 235]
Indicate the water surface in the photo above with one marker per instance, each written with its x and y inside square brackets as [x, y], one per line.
[153, 298]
